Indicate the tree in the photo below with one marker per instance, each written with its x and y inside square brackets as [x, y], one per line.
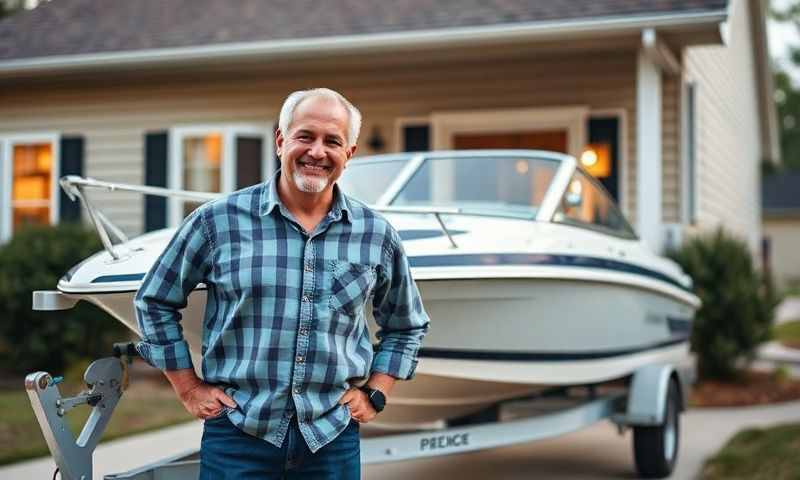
[787, 94]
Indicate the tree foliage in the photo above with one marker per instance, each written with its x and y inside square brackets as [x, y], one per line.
[738, 304]
[787, 94]
[35, 259]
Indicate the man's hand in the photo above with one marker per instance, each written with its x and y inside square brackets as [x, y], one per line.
[360, 408]
[199, 398]
[206, 401]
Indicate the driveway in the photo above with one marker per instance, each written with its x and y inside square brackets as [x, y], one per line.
[596, 452]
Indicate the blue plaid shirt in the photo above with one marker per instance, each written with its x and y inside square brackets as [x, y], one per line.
[284, 329]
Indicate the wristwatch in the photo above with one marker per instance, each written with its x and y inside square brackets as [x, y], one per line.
[376, 397]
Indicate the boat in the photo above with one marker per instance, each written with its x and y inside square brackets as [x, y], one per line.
[532, 277]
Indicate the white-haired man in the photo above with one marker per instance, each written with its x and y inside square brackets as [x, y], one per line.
[288, 265]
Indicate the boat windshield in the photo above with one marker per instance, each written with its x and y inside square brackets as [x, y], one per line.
[493, 185]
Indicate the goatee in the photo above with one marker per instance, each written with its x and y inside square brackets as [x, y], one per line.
[309, 184]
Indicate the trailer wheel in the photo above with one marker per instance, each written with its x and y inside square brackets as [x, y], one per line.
[656, 448]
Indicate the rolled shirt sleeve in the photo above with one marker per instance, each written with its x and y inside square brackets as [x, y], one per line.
[165, 290]
[399, 313]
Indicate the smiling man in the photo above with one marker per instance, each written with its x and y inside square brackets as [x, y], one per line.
[289, 266]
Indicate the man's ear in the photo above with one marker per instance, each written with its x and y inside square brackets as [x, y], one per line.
[278, 141]
[351, 151]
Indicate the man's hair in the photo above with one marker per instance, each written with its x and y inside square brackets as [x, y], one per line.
[294, 99]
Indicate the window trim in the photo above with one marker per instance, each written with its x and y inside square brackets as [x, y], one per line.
[7, 143]
[229, 132]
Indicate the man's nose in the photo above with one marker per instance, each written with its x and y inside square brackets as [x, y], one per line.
[317, 150]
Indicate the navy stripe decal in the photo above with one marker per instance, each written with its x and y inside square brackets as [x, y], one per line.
[119, 278]
[543, 356]
[505, 259]
[488, 259]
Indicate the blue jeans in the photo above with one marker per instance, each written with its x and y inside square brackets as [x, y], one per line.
[228, 453]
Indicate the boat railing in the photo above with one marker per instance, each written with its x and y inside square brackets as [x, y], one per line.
[74, 186]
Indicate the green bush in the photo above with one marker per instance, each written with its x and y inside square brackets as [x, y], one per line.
[738, 304]
[34, 259]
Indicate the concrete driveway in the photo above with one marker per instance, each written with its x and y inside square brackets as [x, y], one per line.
[594, 453]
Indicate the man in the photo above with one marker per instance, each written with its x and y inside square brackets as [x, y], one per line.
[289, 266]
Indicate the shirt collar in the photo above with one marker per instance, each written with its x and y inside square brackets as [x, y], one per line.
[340, 209]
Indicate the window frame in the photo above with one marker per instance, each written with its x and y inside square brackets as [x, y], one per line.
[228, 162]
[7, 144]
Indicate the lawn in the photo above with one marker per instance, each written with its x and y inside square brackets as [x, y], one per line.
[148, 404]
[758, 454]
[788, 333]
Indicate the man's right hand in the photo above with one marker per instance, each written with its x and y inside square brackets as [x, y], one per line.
[199, 398]
[206, 401]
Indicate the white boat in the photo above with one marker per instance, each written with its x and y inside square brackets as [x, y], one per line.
[531, 276]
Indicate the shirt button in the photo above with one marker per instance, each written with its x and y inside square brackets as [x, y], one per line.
[307, 267]
[300, 359]
[303, 331]
[305, 298]
[296, 389]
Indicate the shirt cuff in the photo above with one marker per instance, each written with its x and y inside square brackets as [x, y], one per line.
[398, 365]
[174, 356]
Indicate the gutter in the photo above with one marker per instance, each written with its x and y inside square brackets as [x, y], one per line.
[318, 46]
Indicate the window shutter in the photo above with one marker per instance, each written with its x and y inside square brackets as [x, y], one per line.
[155, 175]
[416, 138]
[248, 161]
[71, 163]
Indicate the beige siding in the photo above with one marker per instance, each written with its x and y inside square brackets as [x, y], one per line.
[728, 145]
[113, 119]
[784, 238]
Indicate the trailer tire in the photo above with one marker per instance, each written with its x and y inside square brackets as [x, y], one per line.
[656, 448]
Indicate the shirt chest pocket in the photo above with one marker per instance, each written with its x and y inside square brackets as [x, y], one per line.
[351, 285]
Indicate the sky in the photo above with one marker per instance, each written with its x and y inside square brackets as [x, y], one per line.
[780, 37]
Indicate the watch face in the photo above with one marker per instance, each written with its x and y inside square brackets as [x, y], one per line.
[377, 399]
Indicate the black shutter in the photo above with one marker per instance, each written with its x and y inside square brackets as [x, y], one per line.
[606, 130]
[155, 175]
[416, 138]
[248, 161]
[71, 163]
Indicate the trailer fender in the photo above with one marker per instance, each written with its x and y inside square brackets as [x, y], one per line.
[647, 397]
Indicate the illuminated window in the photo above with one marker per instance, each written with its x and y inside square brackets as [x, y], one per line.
[32, 170]
[214, 159]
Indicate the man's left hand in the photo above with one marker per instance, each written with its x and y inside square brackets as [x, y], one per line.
[360, 407]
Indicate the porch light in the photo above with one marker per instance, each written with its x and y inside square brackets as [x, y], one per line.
[596, 159]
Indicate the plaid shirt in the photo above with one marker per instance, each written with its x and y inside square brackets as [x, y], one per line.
[284, 329]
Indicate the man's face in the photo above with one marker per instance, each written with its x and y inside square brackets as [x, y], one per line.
[314, 151]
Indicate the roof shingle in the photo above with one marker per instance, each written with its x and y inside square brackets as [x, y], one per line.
[73, 27]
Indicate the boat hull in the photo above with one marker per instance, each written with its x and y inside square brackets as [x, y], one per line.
[501, 338]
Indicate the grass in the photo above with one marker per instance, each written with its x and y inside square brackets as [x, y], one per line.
[788, 333]
[146, 405]
[758, 454]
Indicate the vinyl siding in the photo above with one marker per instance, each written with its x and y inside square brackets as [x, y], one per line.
[784, 237]
[114, 119]
[728, 148]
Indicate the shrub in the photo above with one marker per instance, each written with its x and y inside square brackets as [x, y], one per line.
[34, 259]
[738, 305]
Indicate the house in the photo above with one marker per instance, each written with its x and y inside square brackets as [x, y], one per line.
[673, 97]
[781, 204]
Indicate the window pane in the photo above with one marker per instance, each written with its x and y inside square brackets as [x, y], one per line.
[502, 184]
[32, 175]
[584, 203]
[202, 161]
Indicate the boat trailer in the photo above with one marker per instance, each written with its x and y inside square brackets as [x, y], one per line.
[650, 403]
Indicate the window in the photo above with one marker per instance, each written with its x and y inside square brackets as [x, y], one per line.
[30, 170]
[216, 158]
[586, 204]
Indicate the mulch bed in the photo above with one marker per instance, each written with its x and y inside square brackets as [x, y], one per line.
[754, 388]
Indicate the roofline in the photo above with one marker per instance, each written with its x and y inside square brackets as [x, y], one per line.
[359, 43]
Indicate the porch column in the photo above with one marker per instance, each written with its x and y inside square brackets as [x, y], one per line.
[648, 151]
